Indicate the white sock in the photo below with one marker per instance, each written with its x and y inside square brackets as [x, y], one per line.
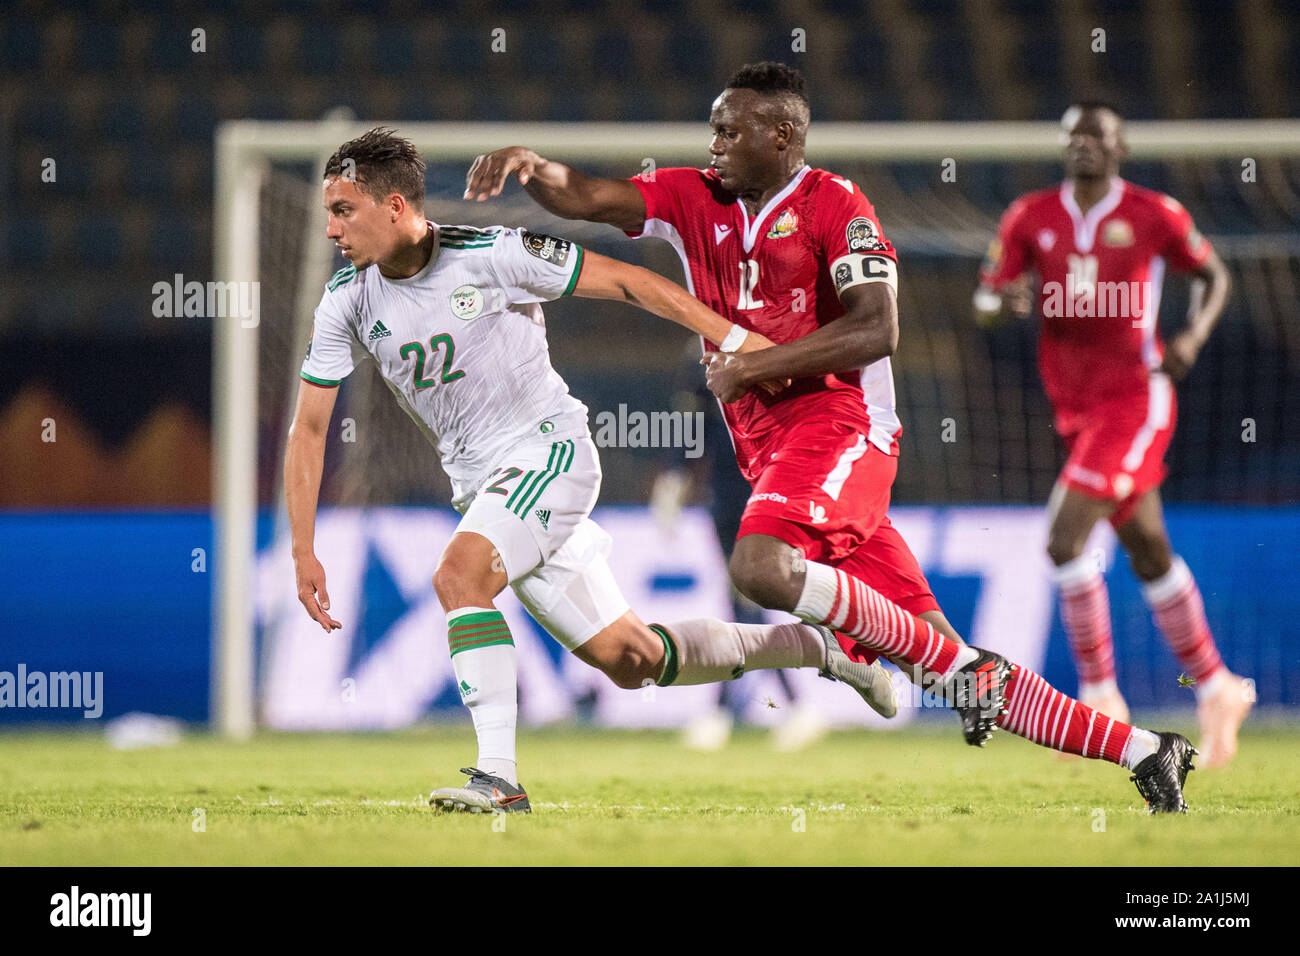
[710, 650]
[483, 657]
[1141, 744]
[1098, 689]
[1210, 686]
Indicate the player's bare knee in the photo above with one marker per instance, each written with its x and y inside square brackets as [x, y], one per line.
[457, 587]
[763, 577]
[1151, 558]
[1062, 547]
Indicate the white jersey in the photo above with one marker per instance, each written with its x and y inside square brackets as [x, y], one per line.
[462, 344]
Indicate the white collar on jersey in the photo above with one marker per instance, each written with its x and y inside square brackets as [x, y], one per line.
[751, 228]
[1085, 227]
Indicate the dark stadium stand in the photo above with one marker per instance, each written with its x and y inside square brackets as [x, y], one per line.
[114, 93]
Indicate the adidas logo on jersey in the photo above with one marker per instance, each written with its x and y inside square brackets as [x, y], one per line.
[379, 331]
[544, 516]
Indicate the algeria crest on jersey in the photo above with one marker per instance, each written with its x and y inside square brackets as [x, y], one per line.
[785, 224]
[467, 302]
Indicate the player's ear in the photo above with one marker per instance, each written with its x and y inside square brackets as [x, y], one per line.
[784, 134]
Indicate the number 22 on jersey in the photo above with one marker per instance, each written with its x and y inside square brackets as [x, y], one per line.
[439, 340]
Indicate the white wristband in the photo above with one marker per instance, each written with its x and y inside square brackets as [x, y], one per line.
[735, 339]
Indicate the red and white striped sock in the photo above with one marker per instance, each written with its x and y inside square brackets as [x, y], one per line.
[1039, 712]
[852, 607]
[1085, 611]
[1176, 604]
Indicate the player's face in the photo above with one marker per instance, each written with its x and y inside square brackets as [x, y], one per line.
[1095, 145]
[743, 147]
[363, 229]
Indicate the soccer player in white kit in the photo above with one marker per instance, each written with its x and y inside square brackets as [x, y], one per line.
[452, 316]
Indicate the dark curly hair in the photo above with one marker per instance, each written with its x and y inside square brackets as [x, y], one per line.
[769, 77]
[383, 164]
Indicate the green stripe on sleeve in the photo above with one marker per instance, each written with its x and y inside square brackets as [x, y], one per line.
[319, 381]
[577, 270]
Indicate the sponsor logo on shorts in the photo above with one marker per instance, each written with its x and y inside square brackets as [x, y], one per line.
[548, 248]
[1123, 485]
[862, 236]
[768, 496]
[816, 513]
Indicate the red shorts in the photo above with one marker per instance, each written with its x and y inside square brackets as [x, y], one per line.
[826, 491]
[1117, 448]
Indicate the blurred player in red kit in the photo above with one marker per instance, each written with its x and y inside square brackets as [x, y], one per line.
[797, 254]
[1101, 246]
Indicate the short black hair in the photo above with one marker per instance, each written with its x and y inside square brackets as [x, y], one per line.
[769, 77]
[383, 163]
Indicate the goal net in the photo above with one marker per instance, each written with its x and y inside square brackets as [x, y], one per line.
[977, 427]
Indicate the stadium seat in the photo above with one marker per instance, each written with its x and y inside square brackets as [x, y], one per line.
[101, 46]
[20, 45]
[321, 52]
[614, 57]
[395, 53]
[171, 46]
[172, 244]
[98, 241]
[27, 242]
[245, 50]
[123, 120]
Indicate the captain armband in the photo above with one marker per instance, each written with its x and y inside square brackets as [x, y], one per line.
[857, 269]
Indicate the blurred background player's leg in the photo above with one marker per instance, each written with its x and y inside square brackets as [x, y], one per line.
[1085, 604]
[1223, 699]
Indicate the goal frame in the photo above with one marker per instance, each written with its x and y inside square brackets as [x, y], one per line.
[245, 149]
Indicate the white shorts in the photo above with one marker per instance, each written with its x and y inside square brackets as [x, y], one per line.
[534, 509]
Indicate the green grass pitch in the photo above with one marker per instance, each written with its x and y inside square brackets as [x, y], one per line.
[600, 797]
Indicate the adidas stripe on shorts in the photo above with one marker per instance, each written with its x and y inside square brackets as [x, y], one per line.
[534, 508]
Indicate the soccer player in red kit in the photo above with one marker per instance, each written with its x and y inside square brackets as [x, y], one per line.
[798, 254]
[1101, 246]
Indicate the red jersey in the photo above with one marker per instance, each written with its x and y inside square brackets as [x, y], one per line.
[1101, 275]
[779, 274]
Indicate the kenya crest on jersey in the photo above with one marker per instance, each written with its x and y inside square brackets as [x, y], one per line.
[862, 236]
[546, 247]
[466, 302]
[785, 224]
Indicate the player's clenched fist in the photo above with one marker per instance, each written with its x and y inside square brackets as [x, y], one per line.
[725, 375]
[311, 582]
[489, 172]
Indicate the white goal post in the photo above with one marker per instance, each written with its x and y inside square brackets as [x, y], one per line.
[245, 150]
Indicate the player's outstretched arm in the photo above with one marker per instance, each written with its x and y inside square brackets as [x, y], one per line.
[605, 278]
[557, 188]
[865, 333]
[1210, 291]
[304, 461]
